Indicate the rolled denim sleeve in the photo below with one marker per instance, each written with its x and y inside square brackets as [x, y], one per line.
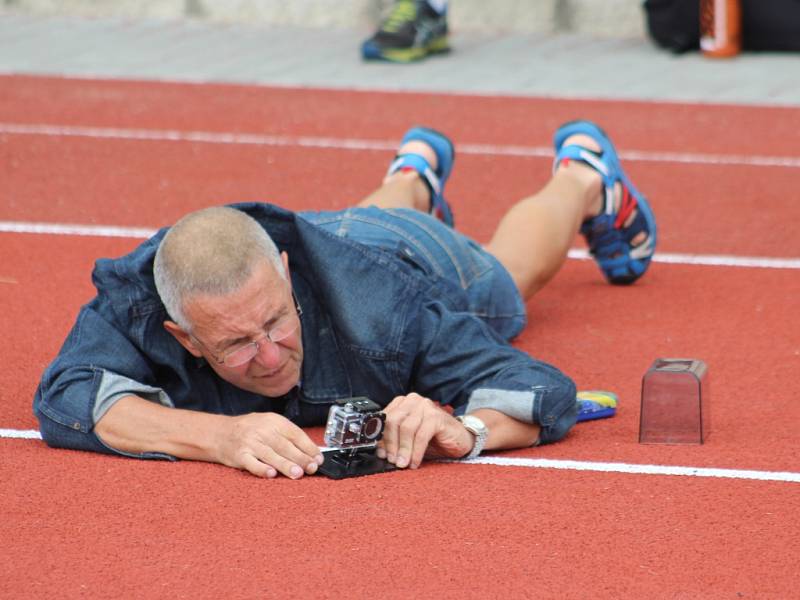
[114, 387]
[466, 365]
[96, 366]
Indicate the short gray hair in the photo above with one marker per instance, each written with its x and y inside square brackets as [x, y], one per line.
[211, 251]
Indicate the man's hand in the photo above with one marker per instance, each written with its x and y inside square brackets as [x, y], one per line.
[263, 443]
[266, 444]
[417, 427]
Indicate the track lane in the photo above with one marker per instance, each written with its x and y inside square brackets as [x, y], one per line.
[161, 529]
[307, 111]
[153, 183]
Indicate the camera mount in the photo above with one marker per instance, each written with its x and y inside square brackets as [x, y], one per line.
[354, 428]
[340, 464]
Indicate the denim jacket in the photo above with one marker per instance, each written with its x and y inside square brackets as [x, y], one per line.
[373, 324]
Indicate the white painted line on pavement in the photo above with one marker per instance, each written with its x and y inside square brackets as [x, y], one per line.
[25, 434]
[711, 260]
[569, 465]
[75, 229]
[578, 254]
[210, 137]
[607, 467]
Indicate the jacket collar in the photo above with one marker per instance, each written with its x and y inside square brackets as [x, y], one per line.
[324, 373]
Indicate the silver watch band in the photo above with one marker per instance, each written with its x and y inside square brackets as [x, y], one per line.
[477, 428]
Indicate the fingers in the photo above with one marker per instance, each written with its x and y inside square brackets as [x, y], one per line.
[268, 444]
[310, 456]
[286, 458]
[399, 421]
[256, 467]
[422, 438]
[407, 435]
[411, 422]
[390, 430]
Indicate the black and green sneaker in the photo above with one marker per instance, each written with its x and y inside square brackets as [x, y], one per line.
[412, 31]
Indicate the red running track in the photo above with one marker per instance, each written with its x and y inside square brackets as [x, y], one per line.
[79, 525]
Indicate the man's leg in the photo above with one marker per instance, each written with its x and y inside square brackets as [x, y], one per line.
[405, 188]
[418, 174]
[534, 236]
[588, 193]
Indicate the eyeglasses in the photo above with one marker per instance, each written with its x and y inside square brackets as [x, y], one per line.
[282, 329]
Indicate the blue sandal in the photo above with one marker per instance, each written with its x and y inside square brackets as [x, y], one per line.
[434, 180]
[610, 239]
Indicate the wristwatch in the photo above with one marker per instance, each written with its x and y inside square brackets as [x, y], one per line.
[477, 428]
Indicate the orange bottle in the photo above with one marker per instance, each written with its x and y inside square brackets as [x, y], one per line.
[720, 27]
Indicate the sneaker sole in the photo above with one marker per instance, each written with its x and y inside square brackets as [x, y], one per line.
[407, 55]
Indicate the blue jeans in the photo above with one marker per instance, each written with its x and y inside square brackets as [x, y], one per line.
[441, 252]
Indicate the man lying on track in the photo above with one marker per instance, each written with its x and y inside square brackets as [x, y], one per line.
[220, 338]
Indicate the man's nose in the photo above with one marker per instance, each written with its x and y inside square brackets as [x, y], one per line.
[269, 354]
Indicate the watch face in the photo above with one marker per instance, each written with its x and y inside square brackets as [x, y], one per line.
[474, 424]
[477, 428]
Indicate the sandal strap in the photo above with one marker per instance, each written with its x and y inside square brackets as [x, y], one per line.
[421, 166]
[611, 247]
[439, 207]
[591, 158]
[595, 161]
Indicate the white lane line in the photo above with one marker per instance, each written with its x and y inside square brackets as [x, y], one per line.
[712, 260]
[578, 254]
[78, 230]
[209, 137]
[25, 434]
[606, 467]
[569, 465]
[728, 261]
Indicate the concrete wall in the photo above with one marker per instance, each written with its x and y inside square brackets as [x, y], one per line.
[607, 18]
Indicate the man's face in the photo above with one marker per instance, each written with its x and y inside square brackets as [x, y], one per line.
[221, 325]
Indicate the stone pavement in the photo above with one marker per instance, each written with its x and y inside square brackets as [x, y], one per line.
[611, 18]
[564, 65]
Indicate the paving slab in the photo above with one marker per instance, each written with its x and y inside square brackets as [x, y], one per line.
[534, 64]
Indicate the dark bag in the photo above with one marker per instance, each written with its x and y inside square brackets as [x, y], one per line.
[766, 24]
[674, 24]
[771, 25]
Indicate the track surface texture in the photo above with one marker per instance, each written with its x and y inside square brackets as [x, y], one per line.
[722, 180]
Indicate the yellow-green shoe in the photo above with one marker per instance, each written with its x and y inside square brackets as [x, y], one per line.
[411, 31]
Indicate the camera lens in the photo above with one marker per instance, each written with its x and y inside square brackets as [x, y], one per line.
[373, 427]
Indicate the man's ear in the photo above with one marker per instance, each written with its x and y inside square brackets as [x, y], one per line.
[184, 339]
[285, 260]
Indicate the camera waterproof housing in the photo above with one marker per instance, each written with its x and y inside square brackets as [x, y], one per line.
[354, 428]
[354, 423]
